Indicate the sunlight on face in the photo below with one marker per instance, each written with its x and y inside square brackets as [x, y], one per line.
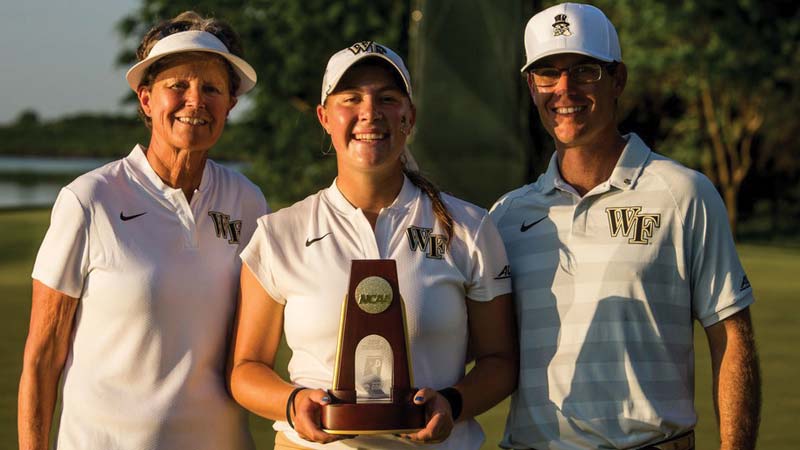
[368, 117]
[188, 103]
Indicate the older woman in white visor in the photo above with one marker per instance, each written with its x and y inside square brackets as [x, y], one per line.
[451, 266]
[135, 283]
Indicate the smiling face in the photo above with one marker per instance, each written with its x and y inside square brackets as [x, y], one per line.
[188, 102]
[577, 114]
[368, 117]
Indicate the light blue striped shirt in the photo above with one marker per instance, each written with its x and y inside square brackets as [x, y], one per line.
[607, 286]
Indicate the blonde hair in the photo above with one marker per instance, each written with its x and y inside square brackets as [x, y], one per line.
[432, 191]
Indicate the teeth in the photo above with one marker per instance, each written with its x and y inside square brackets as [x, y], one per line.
[570, 109]
[369, 136]
[192, 121]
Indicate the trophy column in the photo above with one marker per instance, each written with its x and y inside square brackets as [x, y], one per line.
[373, 383]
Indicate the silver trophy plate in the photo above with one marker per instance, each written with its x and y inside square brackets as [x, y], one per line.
[374, 364]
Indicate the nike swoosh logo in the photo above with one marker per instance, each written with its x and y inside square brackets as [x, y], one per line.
[124, 218]
[311, 241]
[525, 228]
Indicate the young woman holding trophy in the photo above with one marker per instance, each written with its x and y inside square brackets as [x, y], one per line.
[451, 272]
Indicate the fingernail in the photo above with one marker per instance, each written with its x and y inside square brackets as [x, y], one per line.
[326, 399]
[419, 398]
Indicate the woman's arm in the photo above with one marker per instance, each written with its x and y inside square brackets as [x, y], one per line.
[493, 343]
[254, 383]
[46, 349]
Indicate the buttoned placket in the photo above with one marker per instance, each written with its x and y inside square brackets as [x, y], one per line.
[579, 220]
[369, 245]
[387, 227]
[171, 198]
[374, 243]
[183, 211]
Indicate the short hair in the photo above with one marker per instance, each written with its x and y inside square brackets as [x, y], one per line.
[187, 21]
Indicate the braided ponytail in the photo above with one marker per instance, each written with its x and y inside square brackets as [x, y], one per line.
[441, 212]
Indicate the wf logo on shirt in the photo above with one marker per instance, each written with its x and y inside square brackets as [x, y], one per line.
[433, 245]
[632, 224]
[225, 227]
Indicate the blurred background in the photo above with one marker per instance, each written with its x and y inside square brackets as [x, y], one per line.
[712, 83]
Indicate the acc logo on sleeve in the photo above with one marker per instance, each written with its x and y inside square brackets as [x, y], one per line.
[433, 245]
[505, 273]
[632, 223]
[225, 227]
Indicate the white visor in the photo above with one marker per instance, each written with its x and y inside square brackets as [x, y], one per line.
[193, 41]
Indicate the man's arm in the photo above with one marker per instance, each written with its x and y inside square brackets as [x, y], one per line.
[52, 319]
[736, 381]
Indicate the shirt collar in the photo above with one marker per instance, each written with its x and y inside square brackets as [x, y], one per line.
[630, 164]
[408, 193]
[137, 161]
[626, 172]
[551, 178]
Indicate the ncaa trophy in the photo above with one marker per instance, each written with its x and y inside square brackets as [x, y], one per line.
[373, 385]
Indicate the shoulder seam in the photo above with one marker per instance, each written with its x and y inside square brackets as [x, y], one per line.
[668, 188]
[87, 219]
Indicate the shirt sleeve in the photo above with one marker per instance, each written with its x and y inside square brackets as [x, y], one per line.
[63, 259]
[255, 208]
[491, 274]
[720, 287]
[257, 256]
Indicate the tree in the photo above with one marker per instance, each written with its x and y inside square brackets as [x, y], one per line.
[27, 118]
[288, 43]
[726, 64]
[473, 106]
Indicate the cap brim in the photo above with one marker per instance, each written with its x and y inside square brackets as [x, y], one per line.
[246, 73]
[560, 51]
[335, 82]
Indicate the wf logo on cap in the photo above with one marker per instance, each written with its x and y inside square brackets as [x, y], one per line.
[366, 46]
[561, 26]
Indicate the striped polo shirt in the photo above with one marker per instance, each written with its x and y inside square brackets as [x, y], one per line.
[606, 287]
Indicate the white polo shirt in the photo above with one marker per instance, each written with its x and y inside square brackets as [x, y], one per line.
[302, 254]
[606, 287]
[157, 278]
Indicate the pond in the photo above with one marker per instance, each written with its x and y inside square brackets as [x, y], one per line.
[35, 182]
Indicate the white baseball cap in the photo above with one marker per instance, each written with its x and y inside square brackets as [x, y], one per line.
[193, 41]
[571, 28]
[344, 59]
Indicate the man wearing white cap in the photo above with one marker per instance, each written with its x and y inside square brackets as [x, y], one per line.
[615, 250]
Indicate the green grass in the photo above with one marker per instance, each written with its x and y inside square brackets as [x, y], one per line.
[772, 270]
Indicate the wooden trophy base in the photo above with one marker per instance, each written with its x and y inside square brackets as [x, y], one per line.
[372, 418]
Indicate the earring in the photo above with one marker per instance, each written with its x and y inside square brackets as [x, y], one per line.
[329, 150]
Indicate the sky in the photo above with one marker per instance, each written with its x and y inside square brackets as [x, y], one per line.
[58, 57]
